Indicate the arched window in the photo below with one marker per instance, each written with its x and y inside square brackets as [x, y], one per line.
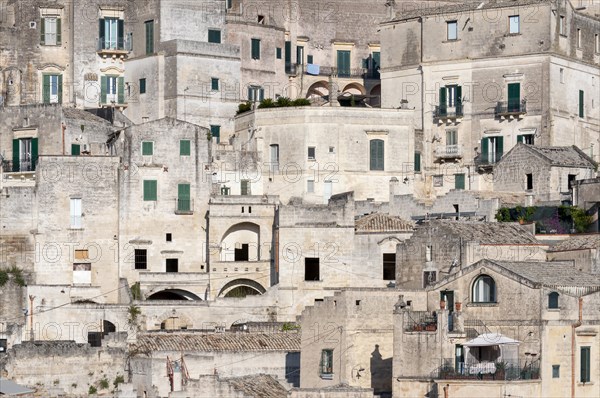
[484, 290]
[553, 300]
[376, 155]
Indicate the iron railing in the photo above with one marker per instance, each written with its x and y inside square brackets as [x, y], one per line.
[511, 107]
[420, 321]
[451, 369]
[336, 72]
[120, 44]
[23, 166]
[445, 111]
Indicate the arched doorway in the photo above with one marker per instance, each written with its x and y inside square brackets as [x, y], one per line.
[173, 294]
[318, 92]
[241, 243]
[242, 288]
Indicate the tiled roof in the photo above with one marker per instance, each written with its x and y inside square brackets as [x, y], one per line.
[578, 242]
[551, 273]
[80, 114]
[563, 155]
[210, 342]
[378, 222]
[490, 233]
[450, 9]
[263, 386]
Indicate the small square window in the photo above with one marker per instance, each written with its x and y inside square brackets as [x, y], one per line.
[214, 36]
[311, 153]
[309, 59]
[147, 148]
[514, 25]
[452, 30]
[331, 149]
[142, 86]
[214, 84]
[169, 237]
[555, 371]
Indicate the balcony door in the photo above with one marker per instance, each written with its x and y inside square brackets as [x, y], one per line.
[514, 97]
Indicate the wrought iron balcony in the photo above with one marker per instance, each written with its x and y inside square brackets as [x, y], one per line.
[448, 152]
[23, 166]
[120, 46]
[448, 112]
[511, 108]
[451, 369]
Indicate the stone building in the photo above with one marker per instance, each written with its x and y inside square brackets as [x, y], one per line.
[583, 250]
[440, 248]
[483, 77]
[493, 344]
[545, 173]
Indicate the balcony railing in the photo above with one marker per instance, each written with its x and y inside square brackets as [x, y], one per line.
[448, 112]
[120, 45]
[420, 321]
[290, 68]
[184, 206]
[448, 152]
[345, 73]
[505, 108]
[23, 166]
[473, 370]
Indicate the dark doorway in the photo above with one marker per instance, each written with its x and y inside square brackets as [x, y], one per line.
[172, 265]
[243, 253]
[448, 295]
[311, 269]
[95, 339]
[389, 266]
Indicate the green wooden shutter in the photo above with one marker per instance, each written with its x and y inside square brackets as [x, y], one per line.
[75, 150]
[43, 32]
[244, 187]
[343, 63]
[58, 32]
[184, 148]
[183, 197]
[278, 52]
[101, 33]
[585, 365]
[60, 88]
[499, 148]
[150, 190]
[484, 149]
[514, 97]
[459, 181]
[16, 155]
[255, 49]
[376, 155]
[147, 148]
[214, 84]
[376, 64]
[299, 55]
[288, 52]
[443, 99]
[215, 132]
[121, 90]
[149, 37]
[34, 153]
[309, 59]
[120, 34]
[520, 138]
[581, 113]
[103, 87]
[458, 99]
[46, 89]
[214, 36]
[417, 161]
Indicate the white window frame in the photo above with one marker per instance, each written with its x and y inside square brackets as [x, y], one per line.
[53, 79]
[111, 33]
[112, 89]
[514, 25]
[451, 33]
[76, 213]
[50, 31]
[310, 186]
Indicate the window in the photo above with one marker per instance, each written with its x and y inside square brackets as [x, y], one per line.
[309, 59]
[376, 155]
[571, 178]
[452, 30]
[597, 42]
[343, 63]
[184, 148]
[327, 190]
[300, 55]
[256, 93]
[331, 149]
[584, 370]
[111, 34]
[147, 148]
[451, 137]
[214, 84]
[150, 190]
[149, 26]
[514, 97]
[556, 371]
[513, 25]
[562, 75]
[76, 213]
[529, 181]
[141, 258]
[429, 278]
[484, 290]
[326, 368]
[169, 237]
[492, 149]
[311, 153]
[183, 197]
[310, 186]
[428, 252]
[214, 36]
[25, 154]
[581, 106]
[375, 64]
[578, 38]
[553, 300]
[52, 89]
[438, 180]
[242, 253]
[274, 157]
[82, 254]
[417, 162]
[526, 139]
[260, 19]
[389, 266]
[225, 191]
[215, 132]
[245, 187]
[278, 52]
[255, 48]
[562, 28]
[311, 269]
[459, 181]
[112, 89]
[172, 265]
[142, 86]
[75, 149]
[229, 4]
[50, 31]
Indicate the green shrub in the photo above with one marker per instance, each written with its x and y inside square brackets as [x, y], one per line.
[267, 103]
[284, 101]
[244, 107]
[118, 380]
[135, 291]
[92, 390]
[300, 102]
[104, 383]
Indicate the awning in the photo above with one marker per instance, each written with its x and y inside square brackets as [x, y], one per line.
[490, 339]
[9, 388]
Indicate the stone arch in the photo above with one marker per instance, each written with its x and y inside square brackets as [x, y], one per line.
[241, 242]
[173, 294]
[375, 95]
[248, 288]
[173, 320]
[355, 89]
[318, 90]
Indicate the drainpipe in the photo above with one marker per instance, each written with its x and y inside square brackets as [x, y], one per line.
[63, 127]
[447, 391]
[573, 327]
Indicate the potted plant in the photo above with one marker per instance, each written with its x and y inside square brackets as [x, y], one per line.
[500, 370]
[458, 305]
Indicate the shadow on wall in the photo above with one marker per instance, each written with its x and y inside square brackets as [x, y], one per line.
[381, 374]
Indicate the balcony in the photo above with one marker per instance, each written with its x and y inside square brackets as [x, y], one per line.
[184, 206]
[23, 166]
[335, 72]
[20, 174]
[511, 109]
[291, 69]
[448, 113]
[420, 321]
[448, 152]
[484, 370]
[113, 48]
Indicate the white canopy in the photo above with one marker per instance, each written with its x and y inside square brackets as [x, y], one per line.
[490, 339]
